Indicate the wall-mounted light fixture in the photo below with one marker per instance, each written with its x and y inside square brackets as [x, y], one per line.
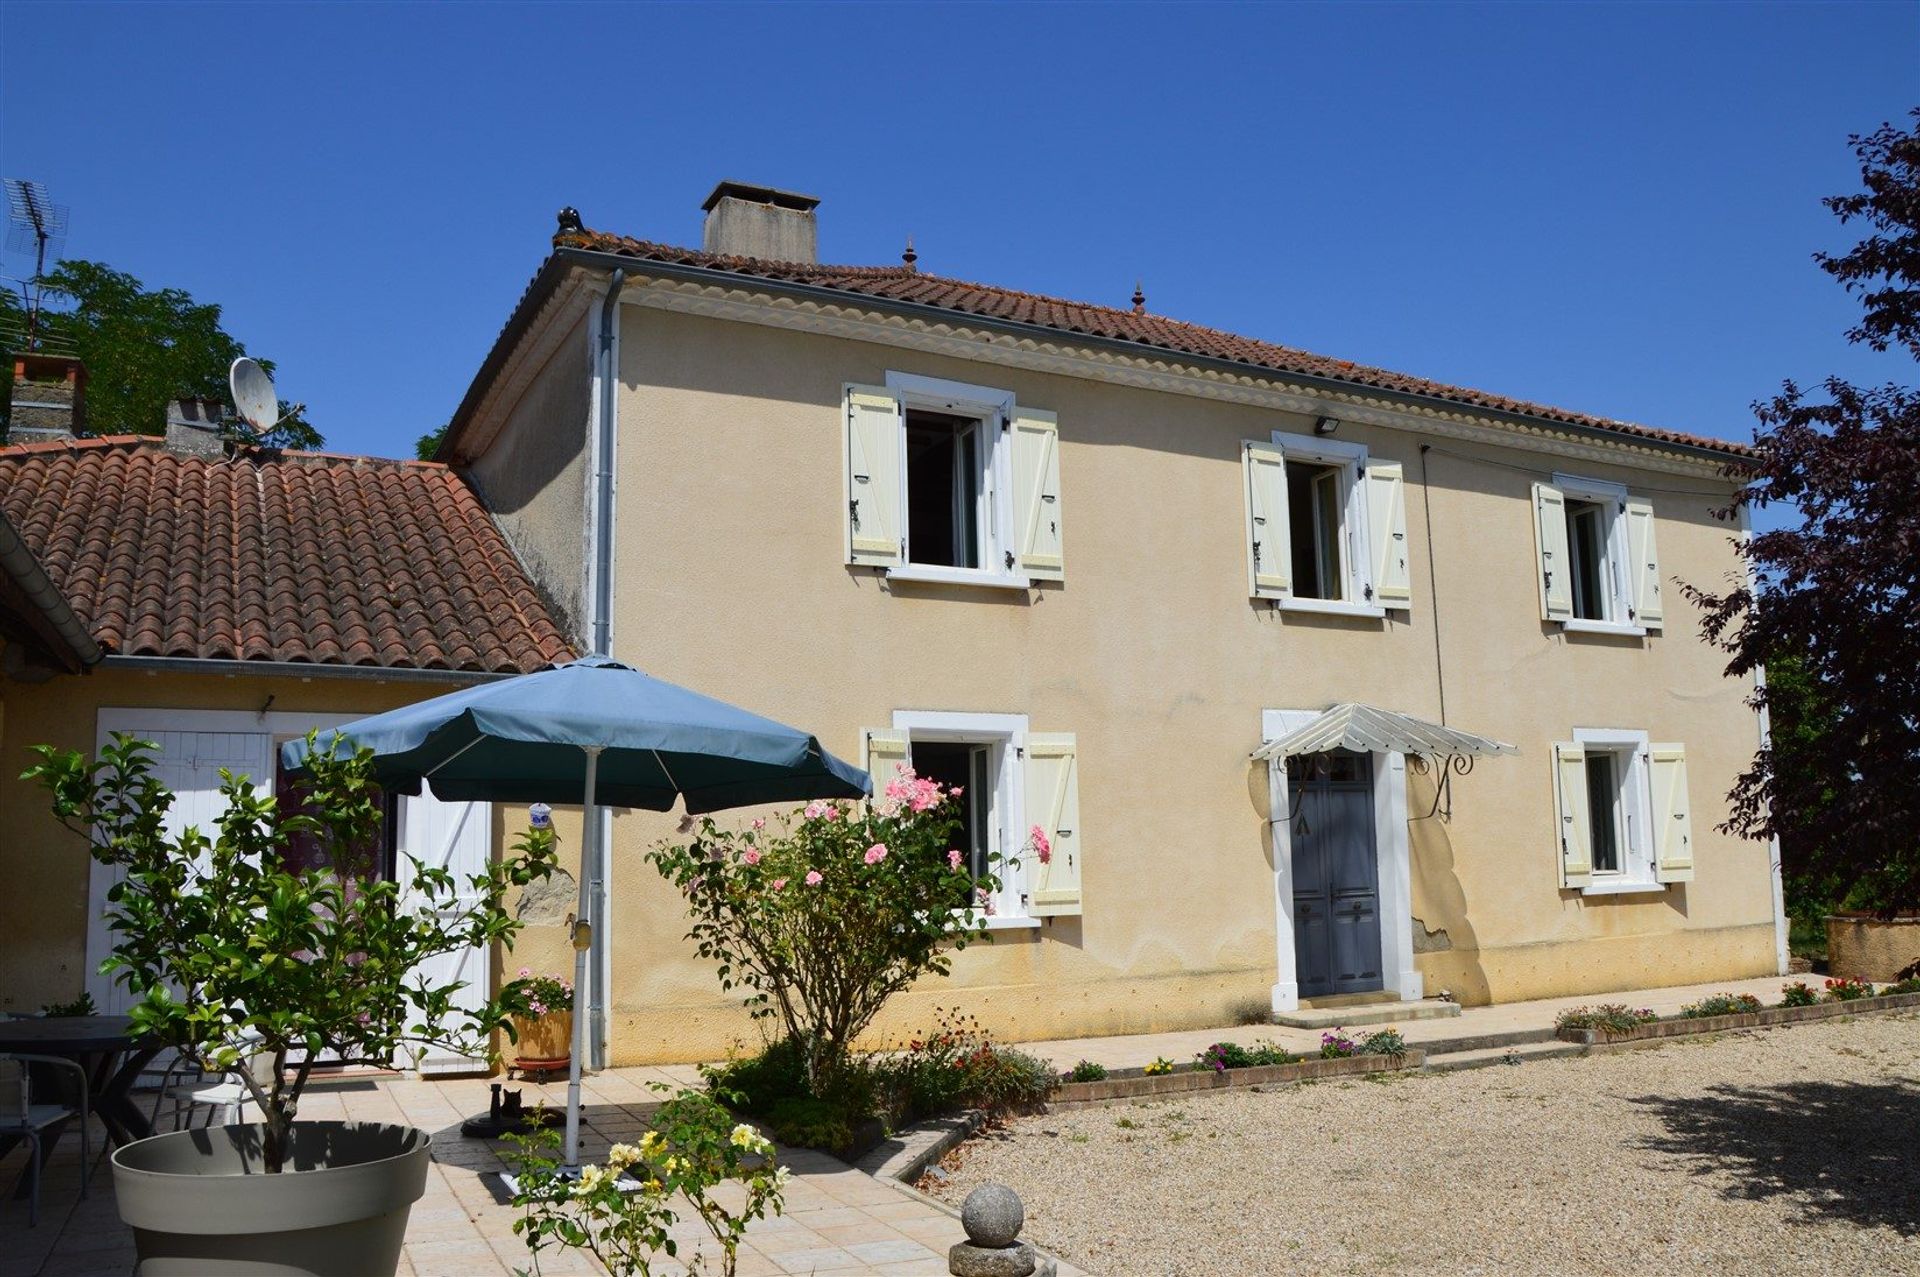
[1325, 425]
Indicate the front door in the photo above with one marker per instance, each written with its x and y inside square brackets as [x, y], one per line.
[1336, 879]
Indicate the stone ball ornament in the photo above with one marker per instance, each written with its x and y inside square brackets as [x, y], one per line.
[993, 1216]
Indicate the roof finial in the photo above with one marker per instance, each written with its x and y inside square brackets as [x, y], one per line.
[1139, 298]
[910, 257]
[570, 221]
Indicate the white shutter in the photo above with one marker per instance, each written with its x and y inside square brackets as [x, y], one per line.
[1387, 534]
[1036, 494]
[1643, 564]
[1555, 562]
[1053, 806]
[885, 752]
[456, 837]
[1269, 554]
[875, 467]
[1672, 815]
[1570, 812]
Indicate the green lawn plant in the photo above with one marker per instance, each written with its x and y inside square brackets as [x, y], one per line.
[823, 915]
[1087, 1071]
[694, 1147]
[228, 954]
[1721, 1004]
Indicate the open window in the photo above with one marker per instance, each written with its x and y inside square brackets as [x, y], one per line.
[951, 483]
[1326, 526]
[1621, 807]
[1599, 569]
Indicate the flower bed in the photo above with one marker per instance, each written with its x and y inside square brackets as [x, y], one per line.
[1684, 1025]
[1127, 1084]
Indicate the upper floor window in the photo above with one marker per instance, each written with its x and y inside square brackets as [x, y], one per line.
[1326, 526]
[1598, 565]
[951, 482]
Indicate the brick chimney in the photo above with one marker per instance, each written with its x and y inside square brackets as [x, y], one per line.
[49, 398]
[193, 427]
[759, 221]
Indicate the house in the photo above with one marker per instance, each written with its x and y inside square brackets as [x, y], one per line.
[1240, 629]
[217, 602]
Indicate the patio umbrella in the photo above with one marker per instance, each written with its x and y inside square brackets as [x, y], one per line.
[597, 733]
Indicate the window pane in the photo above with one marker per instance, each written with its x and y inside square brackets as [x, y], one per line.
[1313, 519]
[968, 766]
[1587, 542]
[943, 490]
[1603, 798]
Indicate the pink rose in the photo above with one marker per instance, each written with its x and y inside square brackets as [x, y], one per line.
[753, 856]
[815, 810]
[876, 853]
[779, 884]
[1041, 846]
[953, 857]
[956, 791]
[759, 822]
[813, 877]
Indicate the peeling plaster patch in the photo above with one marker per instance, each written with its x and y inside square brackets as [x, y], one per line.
[1435, 940]
[549, 900]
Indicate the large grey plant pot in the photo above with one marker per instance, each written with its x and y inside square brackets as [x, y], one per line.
[202, 1205]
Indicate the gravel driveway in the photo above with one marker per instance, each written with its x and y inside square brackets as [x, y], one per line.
[1768, 1151]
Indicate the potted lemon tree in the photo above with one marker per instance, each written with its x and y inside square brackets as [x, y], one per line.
[232, 957]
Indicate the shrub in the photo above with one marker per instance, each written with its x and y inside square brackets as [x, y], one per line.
[1159, 1066]
[1907, 984]
[1722, 1004]
[1383, 1042]
[1798, 994]
[694, 1148]
[1002, 1078]
[1848, 990]
[1087, 1071]
[229, 953]
[755, 1083]
[1222, 1056]
[1608, 1017]
[829, 912]
[805, 1122]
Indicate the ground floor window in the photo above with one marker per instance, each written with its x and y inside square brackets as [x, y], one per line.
[1605, 806]
[980, 755]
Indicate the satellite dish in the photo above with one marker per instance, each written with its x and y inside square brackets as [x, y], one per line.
[253, 395]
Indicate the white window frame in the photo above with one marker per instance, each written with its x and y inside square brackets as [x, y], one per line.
[1356, 554]
[994, 408]
[1007, 735]
[1637, 872]
[1613, 496]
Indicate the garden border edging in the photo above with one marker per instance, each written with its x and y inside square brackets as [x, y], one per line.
[1766, 1017]
[1139, 1086]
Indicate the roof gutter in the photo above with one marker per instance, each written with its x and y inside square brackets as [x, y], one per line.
[598, 260]
[297, 669]
[19, 563]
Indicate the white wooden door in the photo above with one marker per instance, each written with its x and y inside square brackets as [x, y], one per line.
[457, 837]
[188, 763]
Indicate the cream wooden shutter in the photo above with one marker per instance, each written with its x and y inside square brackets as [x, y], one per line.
[1036, 494]
[1053, 806]
[874, 477]
[1643, 564]
[1672, 815]
[1269, 555]
[1387, 534]
[1570, 810]
[1555, 562]
[885, 752]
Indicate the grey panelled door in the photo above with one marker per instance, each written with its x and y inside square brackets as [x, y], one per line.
[1336, 882]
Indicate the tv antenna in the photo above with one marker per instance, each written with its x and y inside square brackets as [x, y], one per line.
[36, 225]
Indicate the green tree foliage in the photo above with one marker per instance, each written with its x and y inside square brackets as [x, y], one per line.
[427, 446]
[1831, 611]
[142, 347]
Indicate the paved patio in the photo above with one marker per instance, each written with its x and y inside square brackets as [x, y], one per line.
[838, 1221]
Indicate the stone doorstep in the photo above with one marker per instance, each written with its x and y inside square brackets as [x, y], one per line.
[1347, 1017]
[1767, 1017]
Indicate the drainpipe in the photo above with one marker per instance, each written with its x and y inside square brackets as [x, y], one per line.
[600, 642]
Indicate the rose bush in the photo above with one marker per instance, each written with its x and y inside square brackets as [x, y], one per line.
[824, 914]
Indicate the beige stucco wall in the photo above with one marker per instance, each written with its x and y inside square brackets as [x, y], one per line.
[534, 476]
[730, 579]
[43, 923]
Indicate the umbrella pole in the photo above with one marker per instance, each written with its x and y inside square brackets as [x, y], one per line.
[582, 941]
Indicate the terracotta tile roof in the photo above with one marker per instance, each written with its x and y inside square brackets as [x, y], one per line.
[905, 284]
[303, 557]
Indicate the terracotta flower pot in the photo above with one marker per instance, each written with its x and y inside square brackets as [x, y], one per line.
[544, 1044]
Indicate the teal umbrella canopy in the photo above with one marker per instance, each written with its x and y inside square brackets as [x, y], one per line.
[524, 740]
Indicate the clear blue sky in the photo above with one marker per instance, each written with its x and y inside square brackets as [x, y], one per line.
[1606, 207]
